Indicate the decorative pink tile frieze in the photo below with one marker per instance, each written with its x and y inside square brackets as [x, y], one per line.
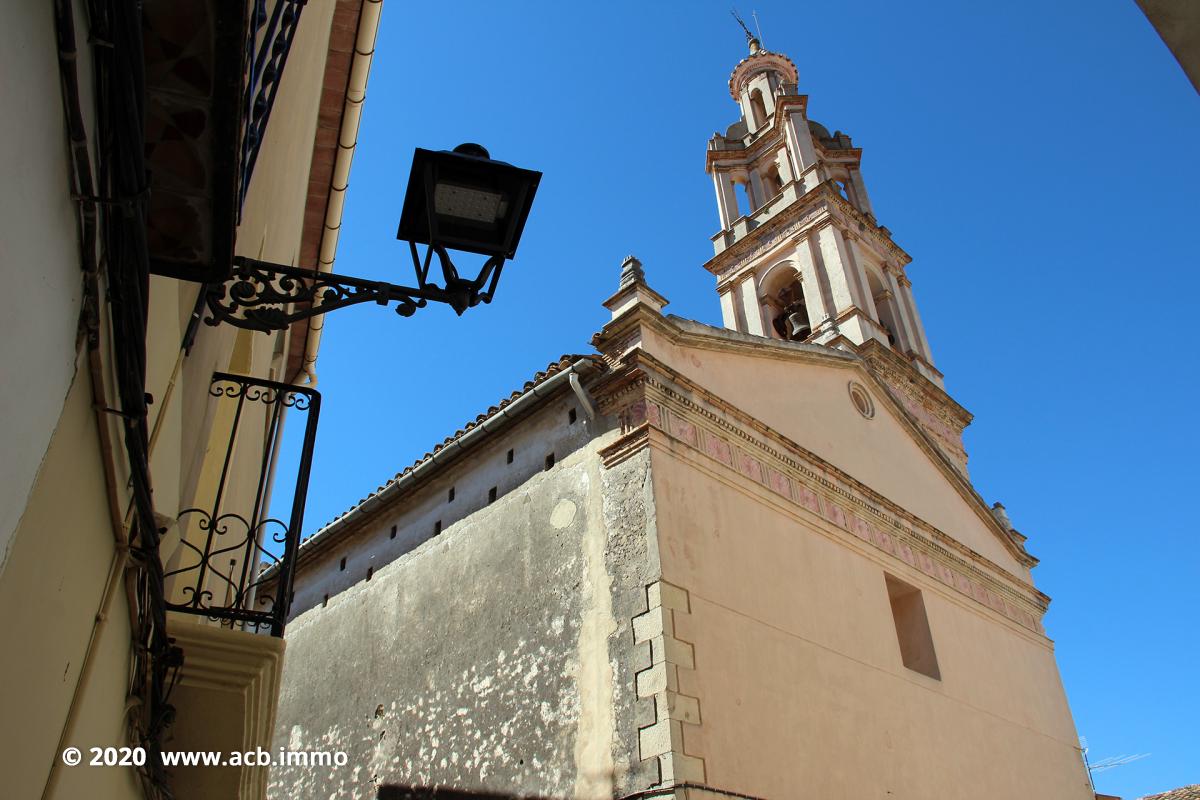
[779, 482]
[749, 466]
[684, 430]
[635, 414]
[860, 528]
[718, 448]
[723, 451]
[835, 514]
[808, 498]
[884, 541]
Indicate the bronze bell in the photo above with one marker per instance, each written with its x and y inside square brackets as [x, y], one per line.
[798, 327]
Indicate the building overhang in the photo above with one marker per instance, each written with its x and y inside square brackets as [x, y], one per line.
[194, 69]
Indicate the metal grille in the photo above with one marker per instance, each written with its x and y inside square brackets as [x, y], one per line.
[268, 43]
[231, 550]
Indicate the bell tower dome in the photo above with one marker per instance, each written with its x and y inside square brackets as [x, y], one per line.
[800, 255]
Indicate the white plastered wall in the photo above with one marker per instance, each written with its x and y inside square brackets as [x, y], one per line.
[39, 254]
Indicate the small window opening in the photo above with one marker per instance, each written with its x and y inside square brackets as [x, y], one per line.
[450, 496]
[550, 461]
[491, 495]
[342, 566]
[510, 456]
[393, 536]
[571, 417]
[370, 572]
[912, 628]
[325, 601]
[437, 527]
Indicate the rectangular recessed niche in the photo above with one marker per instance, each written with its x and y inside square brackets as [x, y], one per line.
[393, 536]
[450, 496]
[510, 456]
[437, 527]
[491, 495]
[325, 601]
[571, 417]
[912, 627]
[370, 572]
[550, 461]
[342, 566]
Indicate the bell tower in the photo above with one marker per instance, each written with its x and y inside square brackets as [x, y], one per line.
[800, 255]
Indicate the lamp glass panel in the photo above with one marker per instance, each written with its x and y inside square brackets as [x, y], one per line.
[468, 203]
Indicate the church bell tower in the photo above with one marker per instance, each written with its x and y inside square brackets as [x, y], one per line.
[800, 255]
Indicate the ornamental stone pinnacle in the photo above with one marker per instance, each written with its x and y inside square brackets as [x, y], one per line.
[633, 290]
[631, 271]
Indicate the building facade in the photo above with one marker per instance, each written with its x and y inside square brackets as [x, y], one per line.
[700, 562]
[147, 145]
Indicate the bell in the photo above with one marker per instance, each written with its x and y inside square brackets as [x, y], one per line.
[798, 327]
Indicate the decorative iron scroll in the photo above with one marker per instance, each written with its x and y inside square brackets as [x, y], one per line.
[265, 297]
[227, 555]
[262, 296]
[268, 42]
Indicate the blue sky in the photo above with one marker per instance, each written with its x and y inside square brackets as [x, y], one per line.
[1038, 161]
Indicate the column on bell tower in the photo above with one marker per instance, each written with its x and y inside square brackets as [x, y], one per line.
[800, 255]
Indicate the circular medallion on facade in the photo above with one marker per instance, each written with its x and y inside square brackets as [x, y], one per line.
[862, 401]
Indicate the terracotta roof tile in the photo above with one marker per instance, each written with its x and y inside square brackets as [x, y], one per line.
[1182, 793]
[553, 368]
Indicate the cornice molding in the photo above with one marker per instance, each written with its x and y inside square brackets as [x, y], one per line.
[670, 408]
[639, 359]
[820, 206]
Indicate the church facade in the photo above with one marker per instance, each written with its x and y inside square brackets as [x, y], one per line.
[699, 562]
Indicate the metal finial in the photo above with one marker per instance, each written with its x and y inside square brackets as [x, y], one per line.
[750, 38]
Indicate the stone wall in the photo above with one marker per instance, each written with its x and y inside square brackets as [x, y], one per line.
[497, 656]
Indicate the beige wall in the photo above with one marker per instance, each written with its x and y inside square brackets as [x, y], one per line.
[798, 671]
[808, 402]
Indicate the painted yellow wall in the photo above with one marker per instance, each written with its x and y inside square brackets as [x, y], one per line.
[56, 521]
[60, 560]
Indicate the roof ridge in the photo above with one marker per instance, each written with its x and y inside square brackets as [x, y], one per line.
[554, 367]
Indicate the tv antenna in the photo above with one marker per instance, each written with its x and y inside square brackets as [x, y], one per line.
[1105, 763]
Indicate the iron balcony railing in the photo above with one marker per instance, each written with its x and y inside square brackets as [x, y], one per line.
[235, 561]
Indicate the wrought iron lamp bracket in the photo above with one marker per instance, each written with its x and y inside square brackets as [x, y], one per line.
[262, 296]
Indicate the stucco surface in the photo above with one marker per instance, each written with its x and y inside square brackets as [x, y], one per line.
[40, 246]
[486, 657]
[810, 404]
[798, 669]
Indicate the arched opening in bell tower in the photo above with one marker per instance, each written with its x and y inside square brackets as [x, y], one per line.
[745, 203]
[772, 185]
[782, 296]
[884, 306]
[758, 108]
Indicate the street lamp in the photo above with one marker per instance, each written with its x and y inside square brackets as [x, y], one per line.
[457, 199]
